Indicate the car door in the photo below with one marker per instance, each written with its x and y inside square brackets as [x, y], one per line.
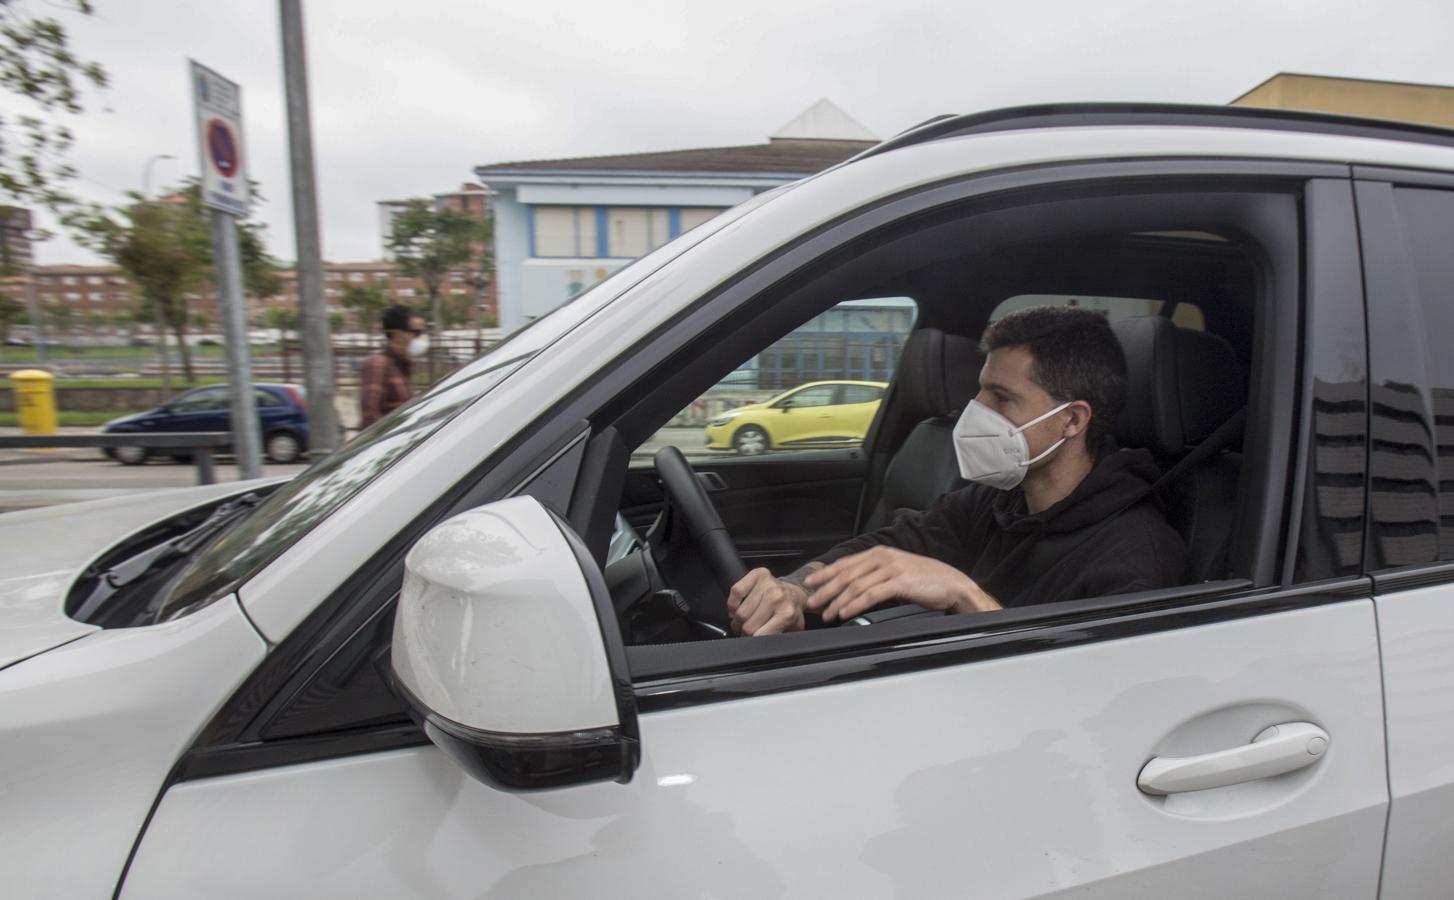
[203, 409]
[1406, 220]
[803, 416]
[858, 404]
[956, 756]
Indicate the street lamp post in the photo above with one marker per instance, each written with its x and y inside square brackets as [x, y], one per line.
[146, 174]
[157, 318]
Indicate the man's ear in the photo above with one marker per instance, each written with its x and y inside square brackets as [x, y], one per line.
[1080, 419]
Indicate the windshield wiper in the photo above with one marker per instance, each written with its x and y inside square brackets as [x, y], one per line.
[134, 568]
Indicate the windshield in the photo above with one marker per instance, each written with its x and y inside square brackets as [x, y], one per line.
[294, 509]
[298, 506]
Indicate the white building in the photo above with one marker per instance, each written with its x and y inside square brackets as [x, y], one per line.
[561, 225]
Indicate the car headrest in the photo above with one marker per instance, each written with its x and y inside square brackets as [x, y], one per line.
[938, 373]
[1180, 384]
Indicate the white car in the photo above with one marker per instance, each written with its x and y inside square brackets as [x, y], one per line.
[479, 651]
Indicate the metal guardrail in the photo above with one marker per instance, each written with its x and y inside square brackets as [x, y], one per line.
[201, 443]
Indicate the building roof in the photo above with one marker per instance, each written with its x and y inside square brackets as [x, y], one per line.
[776, 157]
[825, 121]
[821, 136]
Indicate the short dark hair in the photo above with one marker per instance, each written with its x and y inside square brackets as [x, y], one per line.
[1077, 357]
[397, 318]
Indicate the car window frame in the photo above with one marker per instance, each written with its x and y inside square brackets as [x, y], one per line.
[224, 747]
[1285, 178]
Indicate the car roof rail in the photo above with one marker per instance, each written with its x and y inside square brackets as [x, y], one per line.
[1072, 115]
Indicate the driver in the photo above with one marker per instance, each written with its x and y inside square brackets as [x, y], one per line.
[1055, 510]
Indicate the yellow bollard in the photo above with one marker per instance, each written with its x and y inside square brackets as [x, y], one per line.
[35, 400]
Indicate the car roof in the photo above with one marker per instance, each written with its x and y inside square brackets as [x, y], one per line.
[1069, 115]
[878, 384]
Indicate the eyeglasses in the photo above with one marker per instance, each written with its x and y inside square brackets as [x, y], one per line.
[414, 331]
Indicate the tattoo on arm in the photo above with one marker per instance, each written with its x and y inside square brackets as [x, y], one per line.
[798, 576]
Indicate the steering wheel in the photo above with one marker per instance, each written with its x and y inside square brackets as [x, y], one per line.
[691, 546]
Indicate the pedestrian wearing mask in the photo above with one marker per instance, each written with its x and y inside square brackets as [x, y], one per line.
[1055, 510]
[385, 378]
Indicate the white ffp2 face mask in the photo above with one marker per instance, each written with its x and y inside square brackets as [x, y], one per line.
[992, 450]
[419, 346]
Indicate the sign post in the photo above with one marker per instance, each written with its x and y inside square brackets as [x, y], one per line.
[224, 187]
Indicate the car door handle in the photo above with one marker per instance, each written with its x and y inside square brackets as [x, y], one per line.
[1275, 751]
[712, 481]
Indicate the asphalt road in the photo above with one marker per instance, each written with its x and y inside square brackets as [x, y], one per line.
[34, 478]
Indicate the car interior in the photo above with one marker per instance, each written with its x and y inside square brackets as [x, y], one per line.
[1182, 292]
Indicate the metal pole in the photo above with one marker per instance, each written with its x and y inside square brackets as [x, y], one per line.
[246, 442]
[146, 174]
[317, 342]
[37, 317]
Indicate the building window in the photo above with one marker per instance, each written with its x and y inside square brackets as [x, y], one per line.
[635, 231]
[68, 279]
[357, 276]
[692, 216]
[73, 295]
[568, 231]
[406, 292]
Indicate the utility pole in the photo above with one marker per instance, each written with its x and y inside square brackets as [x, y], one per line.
[317, 342]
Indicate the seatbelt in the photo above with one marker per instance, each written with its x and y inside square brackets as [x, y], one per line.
[1223, 437]
[1220, 439]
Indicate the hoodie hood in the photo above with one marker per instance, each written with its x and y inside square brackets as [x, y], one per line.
[1120, 478]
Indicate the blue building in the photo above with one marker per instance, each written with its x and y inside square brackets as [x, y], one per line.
[561, 225]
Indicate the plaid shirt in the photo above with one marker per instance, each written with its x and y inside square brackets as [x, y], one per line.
[383, 386]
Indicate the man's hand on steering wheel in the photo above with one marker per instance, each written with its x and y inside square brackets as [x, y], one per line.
[855, 584]
[761, 604]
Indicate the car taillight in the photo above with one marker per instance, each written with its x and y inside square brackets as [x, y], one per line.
[297, 396]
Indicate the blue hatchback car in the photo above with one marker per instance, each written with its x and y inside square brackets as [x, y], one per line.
[281, 409]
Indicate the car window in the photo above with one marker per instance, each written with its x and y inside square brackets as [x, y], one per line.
[744, 414]
[200, 400]
[1412, 500]
[266, 398]
[292, 511]
[860, 393]
[822, 395]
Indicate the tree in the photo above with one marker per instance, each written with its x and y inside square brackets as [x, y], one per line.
[455, 310]
[368, 302]
[165, 247]
[159, 247]
[428, 241]
[38, 67]
[11, 312]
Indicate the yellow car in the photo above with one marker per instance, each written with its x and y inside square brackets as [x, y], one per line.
[818, 414]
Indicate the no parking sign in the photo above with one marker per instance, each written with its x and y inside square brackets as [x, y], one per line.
[218, 103]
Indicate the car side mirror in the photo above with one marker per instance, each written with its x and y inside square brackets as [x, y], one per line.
[785, 405]
[507, 651]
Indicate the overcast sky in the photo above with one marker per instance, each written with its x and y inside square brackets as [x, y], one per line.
[409, 96]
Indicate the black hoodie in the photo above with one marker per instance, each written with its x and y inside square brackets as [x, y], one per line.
[1090, 544]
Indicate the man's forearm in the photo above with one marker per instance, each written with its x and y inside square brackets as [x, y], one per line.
[800, 574]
